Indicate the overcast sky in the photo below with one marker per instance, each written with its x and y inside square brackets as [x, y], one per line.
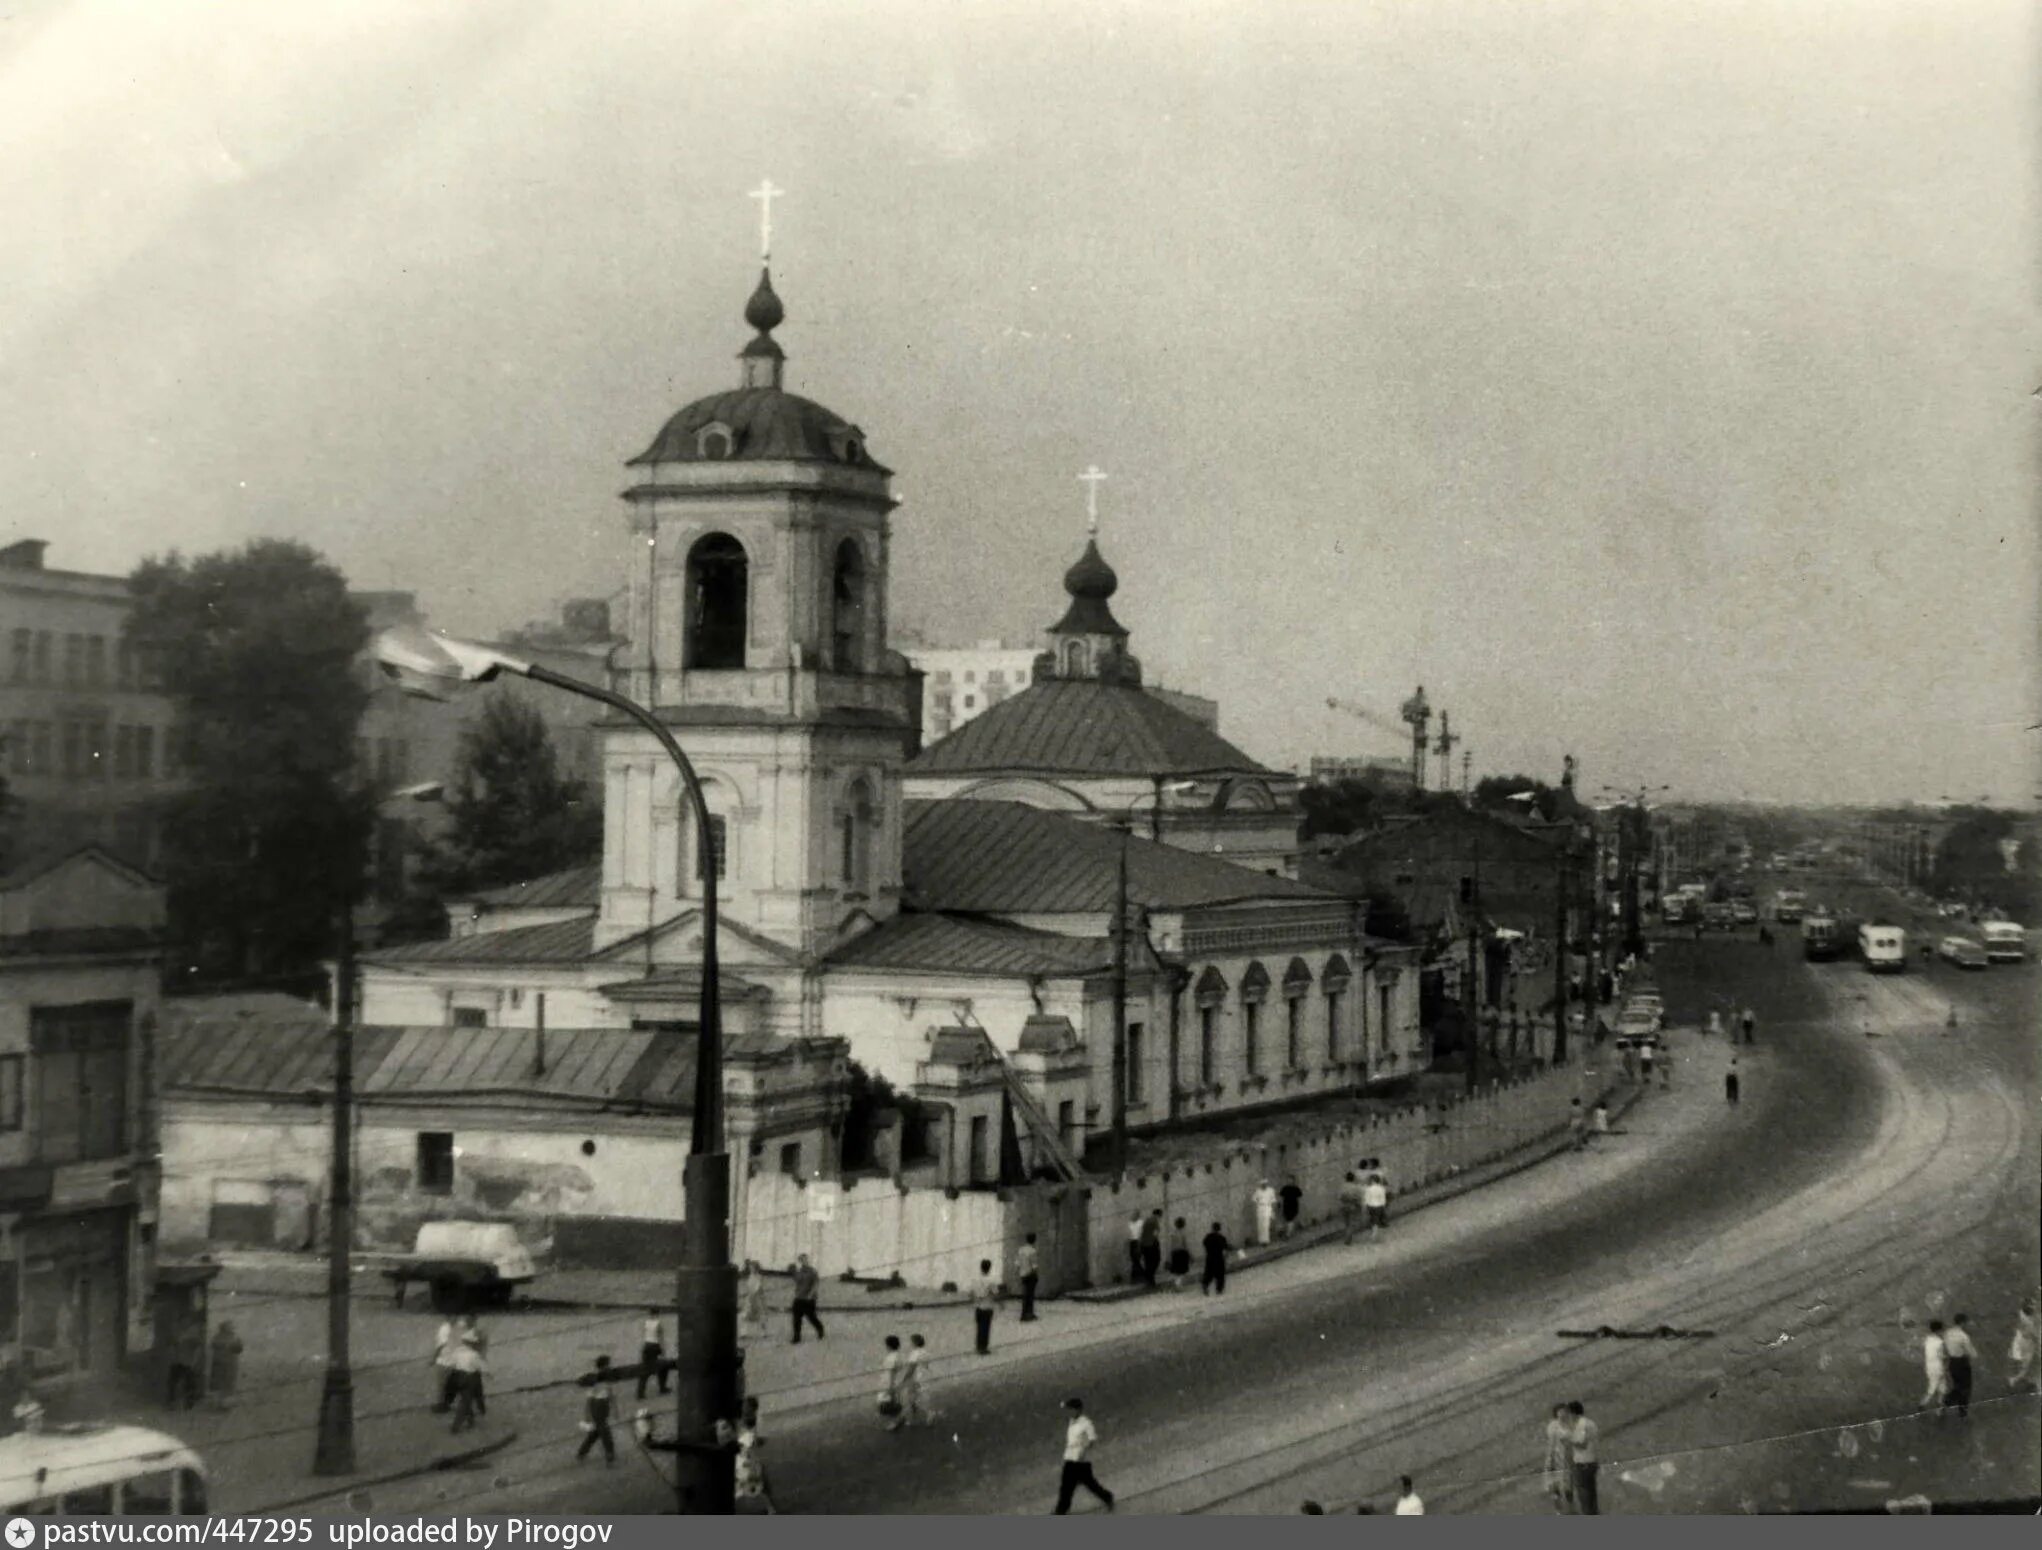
[1652, 382]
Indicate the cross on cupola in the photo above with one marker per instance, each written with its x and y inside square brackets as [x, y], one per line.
[765, 363]
[766, 193]
[1091, 479]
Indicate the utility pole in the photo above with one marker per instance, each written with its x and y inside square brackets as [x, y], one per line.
[1474, 976]
[1119, 1109]
[1560, 958]
[334, 1451]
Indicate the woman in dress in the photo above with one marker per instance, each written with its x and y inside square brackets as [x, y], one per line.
[1180, 1255]
[2022, 1351]
[1560, 1460]
[752, 1300]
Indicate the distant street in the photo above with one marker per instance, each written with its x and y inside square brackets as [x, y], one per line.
[1862, 1182]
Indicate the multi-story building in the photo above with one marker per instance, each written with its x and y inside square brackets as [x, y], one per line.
[963, 682]
[85, 732]
[1381, 769]
[80, 940]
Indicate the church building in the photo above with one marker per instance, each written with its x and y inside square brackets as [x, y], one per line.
[947, 915]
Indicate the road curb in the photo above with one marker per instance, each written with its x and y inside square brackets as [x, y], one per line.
[444, 1461]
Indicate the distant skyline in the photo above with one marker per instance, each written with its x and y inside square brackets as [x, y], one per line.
[1653, 384]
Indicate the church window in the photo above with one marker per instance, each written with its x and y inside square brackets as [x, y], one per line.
[713, 442]
[1074, 659]
[719, 847]
[718, 598]
[847, 609]
[854, 828]
[1208, 1040]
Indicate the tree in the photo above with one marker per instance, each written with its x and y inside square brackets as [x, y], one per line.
[1357, 804]
[512, 814]
[1496, 791]
[258, 649]
[1987, 858]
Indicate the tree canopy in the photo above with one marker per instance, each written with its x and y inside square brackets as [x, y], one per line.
[1497, 792]
[1358, 804]
[512, 813]
[258, 647]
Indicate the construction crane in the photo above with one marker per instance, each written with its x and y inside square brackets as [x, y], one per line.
[1380, 722]
[1445, 749]
[1417, 714]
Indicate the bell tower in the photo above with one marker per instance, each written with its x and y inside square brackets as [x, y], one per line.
[758, 634]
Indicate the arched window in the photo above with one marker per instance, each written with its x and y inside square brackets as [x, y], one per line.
[1074, 659]
[847, 609]
[1254, 991]
[718, 596]
[854, 828]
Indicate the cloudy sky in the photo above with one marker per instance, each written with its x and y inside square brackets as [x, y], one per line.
[1652, 382]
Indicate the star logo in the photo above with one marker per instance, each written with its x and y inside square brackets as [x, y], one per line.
[20, 1533]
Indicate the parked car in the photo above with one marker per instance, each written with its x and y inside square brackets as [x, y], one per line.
[1744, 912]
[1638, 1025]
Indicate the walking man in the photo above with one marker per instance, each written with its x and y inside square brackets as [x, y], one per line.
[914, 1392]
[890, 1406]
[1265, 1213]
[1582, 1436]
[805, 1282]
[1577, 1124]
[1152, 1245]
[468, 1367]
[1560, 1459]
[1646, 1056]
[443, 1367]
[1730, 1083]
[1135, 1224]
[1352, 1205]
[1959, 1351]
[1935, 1361]
[985, 1297]
[1293, 1199]
[1079, 1437]
[595, 1416]
[1214, 1281]
[1375, 1195]
[651, 1348]
[1180, 1255]
[1031, 1276]
[1409, 1503]
[1750, 1026]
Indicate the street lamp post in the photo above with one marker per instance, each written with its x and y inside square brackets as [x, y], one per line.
[706, 1352]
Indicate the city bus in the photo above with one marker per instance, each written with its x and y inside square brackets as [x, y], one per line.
[2005, 942]
[1884, 948]
[99, 1470]
[1820, 939]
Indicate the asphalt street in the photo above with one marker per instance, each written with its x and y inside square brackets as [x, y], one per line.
[1879, 1167]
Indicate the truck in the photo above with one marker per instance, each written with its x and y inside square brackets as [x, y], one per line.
[2005, 942]
[464, 1262]
[1789, 904]
[1883, 947]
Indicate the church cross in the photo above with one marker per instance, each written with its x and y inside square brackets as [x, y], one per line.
[765, 193]
[1091, 479]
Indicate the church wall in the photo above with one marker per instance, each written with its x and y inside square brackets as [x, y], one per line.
[886, 1015]
[425, 996]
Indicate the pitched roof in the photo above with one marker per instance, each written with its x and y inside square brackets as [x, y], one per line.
[1084, 727]
[279, 1058]
[961, 944]
[559, 941]
[995, 858]
[576, 886]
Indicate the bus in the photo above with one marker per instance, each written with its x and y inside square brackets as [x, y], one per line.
[1883, 947]
[1821, 941]
[98, 1470]
[2005, 942]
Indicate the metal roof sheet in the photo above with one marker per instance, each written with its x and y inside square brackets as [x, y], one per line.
[576, 886]
[1084, 727]
[559, 941]
[957, 944]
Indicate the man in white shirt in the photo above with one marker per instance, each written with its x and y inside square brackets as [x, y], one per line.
[985, 1297]
[1409, 1503]
[1935, 1361]
[652, 1352]
[1582, 1438]
[443, 1366]
[1265, 1212]
[1375, 1196]
[1079, 1436]
[1958, 1350]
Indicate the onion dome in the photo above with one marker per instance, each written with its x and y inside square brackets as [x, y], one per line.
[764, 311]
[1091, 577]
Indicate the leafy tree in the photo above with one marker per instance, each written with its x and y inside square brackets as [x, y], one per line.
[1357, 804]
[258, 649]
[513, 814]
[1989, 858]
[1497, 791]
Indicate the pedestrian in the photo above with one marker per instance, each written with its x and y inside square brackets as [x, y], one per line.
[1715, 1023]
[595, 1416]
[471, 1334]
[1409, 1503]
[1598, 1119]
[1582, 1436]
[443, 1367]
[1375, 1195]
[1292, 1197]
[1577, 1124]
[805, 1283]
[468, 1366]
[751, 1301]
[1646, 1056]
[1079, 1438]
[985, 1297]
[651, 1350]
[1665, 1070]
[226, 1366]
[1214, 1280]
[1030, 1272]
[1180, 1255]
[1265, 1213]
[1352, 1205]
[1560, 1459]
[1959, 1351]
[187, 1356]
[1730, 1083]
[1135, 1224]
[749, 1496]
[2022, 1352]
[914, 1390]
[1630, 1054]
[1750, 1026]
[1935, 1361]
[1152, 1246]
[890, 1406]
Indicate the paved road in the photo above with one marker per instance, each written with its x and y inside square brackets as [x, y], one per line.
[1860, 1179]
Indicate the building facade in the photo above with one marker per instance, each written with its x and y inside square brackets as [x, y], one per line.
[961, 682]
[80, 935]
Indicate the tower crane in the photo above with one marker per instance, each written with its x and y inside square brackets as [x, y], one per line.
[1445, 749]
[1417, 714]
